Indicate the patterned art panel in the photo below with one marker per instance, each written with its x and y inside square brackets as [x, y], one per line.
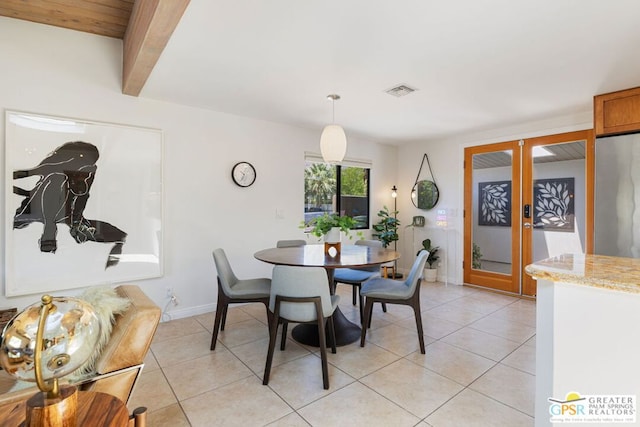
[553, 204]
[494, 203]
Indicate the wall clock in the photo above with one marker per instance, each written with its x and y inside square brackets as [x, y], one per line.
[243, 174]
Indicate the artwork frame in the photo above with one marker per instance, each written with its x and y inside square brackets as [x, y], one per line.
[83, 203]
[494, 203]
[554, 204]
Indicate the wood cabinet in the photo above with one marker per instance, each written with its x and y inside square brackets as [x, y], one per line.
[617, 112]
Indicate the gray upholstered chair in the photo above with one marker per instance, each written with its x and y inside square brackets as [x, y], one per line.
[301, 294]
[290, 243]
[356, 276]
[396, 292]
[232, 290]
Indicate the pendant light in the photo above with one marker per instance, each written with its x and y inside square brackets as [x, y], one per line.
[333, 141]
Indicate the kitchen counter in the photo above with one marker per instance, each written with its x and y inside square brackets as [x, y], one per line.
[587, 339]
[614, 273]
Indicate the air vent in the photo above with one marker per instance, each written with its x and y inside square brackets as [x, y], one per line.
[400, 90]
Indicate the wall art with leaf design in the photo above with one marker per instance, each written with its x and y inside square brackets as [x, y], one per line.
[553, 204]
[494, 203]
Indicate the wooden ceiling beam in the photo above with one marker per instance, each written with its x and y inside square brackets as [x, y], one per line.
[151, 24]
[104, 17]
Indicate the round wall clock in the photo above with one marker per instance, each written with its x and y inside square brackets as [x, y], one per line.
[243, 174]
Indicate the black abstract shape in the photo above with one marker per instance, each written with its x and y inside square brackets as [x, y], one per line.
[60, 197]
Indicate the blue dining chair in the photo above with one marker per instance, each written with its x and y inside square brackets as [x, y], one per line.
[396, 292]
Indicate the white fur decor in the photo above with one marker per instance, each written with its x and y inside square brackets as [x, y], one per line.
[107, 304]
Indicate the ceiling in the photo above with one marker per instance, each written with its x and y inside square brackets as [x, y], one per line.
[571, 150]
[477, 65]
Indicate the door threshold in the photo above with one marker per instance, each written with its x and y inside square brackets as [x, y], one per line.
[497, 291]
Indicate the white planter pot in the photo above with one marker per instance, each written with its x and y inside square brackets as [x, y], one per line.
[333, 236]
[430, 274]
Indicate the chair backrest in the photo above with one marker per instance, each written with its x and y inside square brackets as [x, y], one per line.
[225, 273]
[290, 243]
[416, 270]
[300, 282]
[371, 244]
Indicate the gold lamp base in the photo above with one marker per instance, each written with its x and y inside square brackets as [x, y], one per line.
[59, 411]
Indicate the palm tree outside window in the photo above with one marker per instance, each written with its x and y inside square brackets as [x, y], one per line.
[336, 189]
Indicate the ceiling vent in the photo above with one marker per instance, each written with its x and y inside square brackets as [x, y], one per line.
[400, 90]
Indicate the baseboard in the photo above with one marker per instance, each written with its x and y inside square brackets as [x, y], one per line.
[172, 313]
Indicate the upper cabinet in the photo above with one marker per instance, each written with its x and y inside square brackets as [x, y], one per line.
[617, 112]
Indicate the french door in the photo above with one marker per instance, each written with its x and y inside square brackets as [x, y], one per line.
[526, 200]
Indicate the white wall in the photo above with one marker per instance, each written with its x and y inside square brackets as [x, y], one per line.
[66, 73]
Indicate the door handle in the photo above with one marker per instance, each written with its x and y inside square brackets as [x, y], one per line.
[527, 225]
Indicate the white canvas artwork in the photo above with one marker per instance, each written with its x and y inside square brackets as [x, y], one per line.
[83, 203]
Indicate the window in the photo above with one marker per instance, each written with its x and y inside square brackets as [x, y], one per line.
[336, 189]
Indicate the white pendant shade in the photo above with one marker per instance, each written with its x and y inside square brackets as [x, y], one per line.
[333, 144]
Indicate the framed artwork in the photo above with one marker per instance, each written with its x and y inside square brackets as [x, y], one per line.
[553, 204]
[494, 203]
[83, 203]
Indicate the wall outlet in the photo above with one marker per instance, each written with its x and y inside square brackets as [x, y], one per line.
[171, 295]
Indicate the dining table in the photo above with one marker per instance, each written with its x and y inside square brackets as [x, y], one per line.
[313, 255]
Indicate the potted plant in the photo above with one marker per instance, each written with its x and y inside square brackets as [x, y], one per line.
[328, 225]
[386, 230]
[476, 257]
[430, 273]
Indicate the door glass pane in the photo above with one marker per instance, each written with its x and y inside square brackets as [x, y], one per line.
[491, 220]
[558, 213]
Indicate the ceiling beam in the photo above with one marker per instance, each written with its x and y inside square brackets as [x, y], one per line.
[151, 24]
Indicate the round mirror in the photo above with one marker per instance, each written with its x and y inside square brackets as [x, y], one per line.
[425, 194]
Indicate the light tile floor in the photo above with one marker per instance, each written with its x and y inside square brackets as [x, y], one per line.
[479, 368]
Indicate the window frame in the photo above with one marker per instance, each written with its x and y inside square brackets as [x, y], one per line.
[350, 163]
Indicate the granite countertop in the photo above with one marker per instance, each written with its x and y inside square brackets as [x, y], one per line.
[615, 273]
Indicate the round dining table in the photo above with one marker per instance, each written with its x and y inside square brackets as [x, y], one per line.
[350, 256]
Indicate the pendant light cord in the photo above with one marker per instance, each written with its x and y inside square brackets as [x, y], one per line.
[333, 97]
[333, 111]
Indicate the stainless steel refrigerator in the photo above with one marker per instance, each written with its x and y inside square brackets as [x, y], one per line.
[617, 196]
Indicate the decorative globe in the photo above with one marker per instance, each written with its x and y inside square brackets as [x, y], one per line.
[70, 335]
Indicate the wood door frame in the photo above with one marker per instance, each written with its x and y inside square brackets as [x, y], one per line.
[528, 283]
[502, 282]
[522, 173]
